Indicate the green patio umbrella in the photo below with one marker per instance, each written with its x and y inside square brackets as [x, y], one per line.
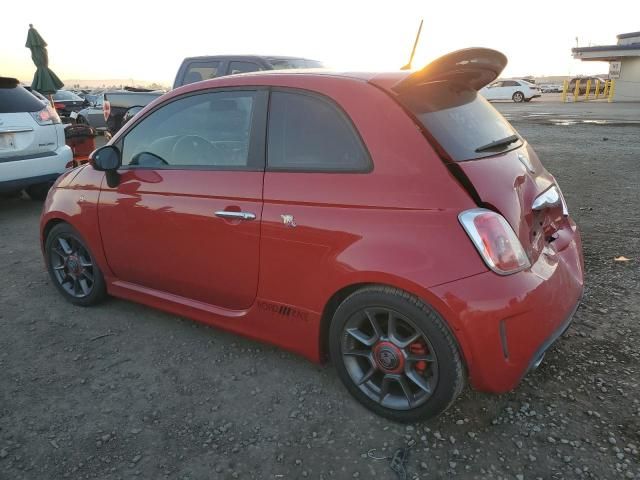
[44, 80]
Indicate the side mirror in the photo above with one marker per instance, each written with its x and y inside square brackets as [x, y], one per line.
[107, 159]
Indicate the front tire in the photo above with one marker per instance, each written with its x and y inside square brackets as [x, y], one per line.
[72, 267]
[395, 354]
[518, 97]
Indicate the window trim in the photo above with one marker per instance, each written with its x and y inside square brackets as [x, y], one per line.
[257, 138]
[368, 168]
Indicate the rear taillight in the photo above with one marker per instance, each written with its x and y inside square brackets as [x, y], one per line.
[46, 116]
[106, 109]
[495, 240]
[58, 105]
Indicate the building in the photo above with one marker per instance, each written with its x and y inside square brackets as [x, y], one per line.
[624, 64]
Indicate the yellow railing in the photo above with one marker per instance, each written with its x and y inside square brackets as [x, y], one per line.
[608, 91]
[612, 90]
[565, 90]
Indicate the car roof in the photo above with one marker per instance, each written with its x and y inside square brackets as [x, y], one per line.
[245, 57]
[273, 77]
[386, 80]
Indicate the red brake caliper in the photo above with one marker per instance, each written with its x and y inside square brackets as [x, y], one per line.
[418, 348]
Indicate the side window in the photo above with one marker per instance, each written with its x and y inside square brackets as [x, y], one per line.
[198, 71]
[510, 83]
[209, 130]
[496, 84]
[243, 67]
[309, 133]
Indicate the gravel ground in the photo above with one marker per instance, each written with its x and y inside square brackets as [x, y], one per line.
[123, 391]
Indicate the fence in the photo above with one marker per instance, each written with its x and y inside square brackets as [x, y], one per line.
[607, 92]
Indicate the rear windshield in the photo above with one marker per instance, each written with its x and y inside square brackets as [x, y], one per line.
[16, 100]
[465, 125]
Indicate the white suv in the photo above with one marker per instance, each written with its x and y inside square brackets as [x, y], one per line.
[32, 145]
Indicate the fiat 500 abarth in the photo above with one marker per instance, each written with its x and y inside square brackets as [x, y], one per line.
[395, 223]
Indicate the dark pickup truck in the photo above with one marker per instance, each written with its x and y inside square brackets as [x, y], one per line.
[119, 107]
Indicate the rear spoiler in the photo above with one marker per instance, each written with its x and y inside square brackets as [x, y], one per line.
[472, 67]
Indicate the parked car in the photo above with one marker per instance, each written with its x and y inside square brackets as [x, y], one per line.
[68, 104]
[32, 147]
[516, 90]
[551, 88]
[307, 210]
[118, 110]
[92, 98]
[583, 85]
[93, 115]
[196, 69]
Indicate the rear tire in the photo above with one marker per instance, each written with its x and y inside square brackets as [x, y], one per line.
[81, 120]
[518, 97]
[407, 372]
[72, 267]
[38, 192]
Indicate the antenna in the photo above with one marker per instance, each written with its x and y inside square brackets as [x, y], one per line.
[413, 51]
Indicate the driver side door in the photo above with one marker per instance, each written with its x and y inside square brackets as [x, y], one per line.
[185, 217]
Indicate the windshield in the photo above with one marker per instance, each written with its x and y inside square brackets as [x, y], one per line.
[63, 95]
[460, 120]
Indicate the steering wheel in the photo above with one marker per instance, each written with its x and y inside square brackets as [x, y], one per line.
[192, 147]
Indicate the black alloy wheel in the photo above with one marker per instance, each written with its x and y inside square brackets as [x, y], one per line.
[395, 354]
[72, 267]
[389, 358]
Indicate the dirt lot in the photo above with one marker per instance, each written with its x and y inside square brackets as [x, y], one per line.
[123, 391]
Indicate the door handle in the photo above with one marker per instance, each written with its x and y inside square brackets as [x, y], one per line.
[236, 215]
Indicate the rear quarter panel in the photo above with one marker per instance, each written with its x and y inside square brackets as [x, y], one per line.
[395, 225]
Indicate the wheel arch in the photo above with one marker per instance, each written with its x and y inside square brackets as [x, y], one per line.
[330, 309]
[423, 294]
[48, 226]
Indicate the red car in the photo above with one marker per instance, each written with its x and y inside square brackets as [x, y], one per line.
[395, 223]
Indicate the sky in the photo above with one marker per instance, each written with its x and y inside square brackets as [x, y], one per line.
[146, 41]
